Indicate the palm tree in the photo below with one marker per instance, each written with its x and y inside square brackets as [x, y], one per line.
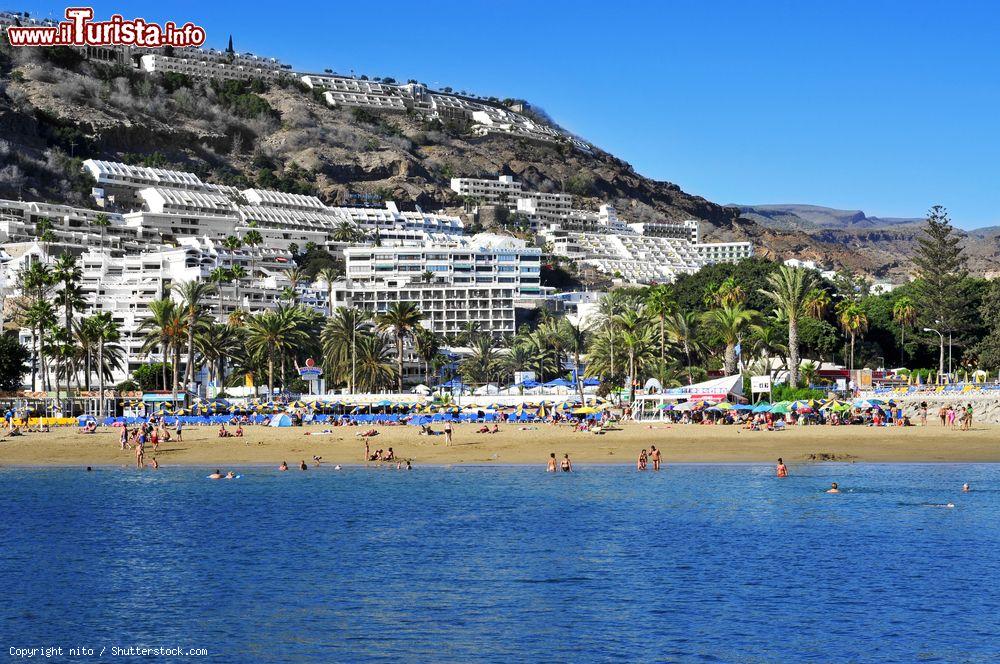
[660, 304]
[518, 358]
[38, 317]
[238, 274]
[217, 277]
[610, 308]
[252, 239]
[295, 276]
[809, 371]
[339, 339]
[328, 275]
[107, 332]
[375, 367]
[853, 320]
[156, 329]
[636, 336]
[482, 363]
[729, 322]
[682, 329]
[905, 314]
[401, 318]
[193, 295]
[817, 303]
[345, 232]
[427, 345]
[270, 333]
[788, 289]
[217, 343]
[575, 341]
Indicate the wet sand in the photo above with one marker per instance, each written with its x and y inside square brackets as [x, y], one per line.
[514, 445]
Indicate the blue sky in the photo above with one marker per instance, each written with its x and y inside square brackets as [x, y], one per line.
[889, 107]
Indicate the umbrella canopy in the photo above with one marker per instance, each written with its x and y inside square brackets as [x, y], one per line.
[586, 410]
[743, 407]
[762, 407]
[725, 405]
[868, 403]
[781, 407]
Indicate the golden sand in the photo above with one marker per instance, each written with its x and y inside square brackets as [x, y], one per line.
[517, 445]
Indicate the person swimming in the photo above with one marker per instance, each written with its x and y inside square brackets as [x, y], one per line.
[283, 466]
[567, 465]
[337, 467]
[834, 488]
[217, 475]
[966, 488]
[302, 465]
[782, 469]
[230, 475]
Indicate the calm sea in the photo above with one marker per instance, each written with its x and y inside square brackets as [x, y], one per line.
[695, 563]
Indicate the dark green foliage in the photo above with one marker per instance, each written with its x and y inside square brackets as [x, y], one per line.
[62, 56]
[172, 81]
[243, 99]
[751, 274]
[315, 259]
[557, 276]
[941, 269]
[150, 376]
[13, 363]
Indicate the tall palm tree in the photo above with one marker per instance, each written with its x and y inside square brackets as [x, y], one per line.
[339, 337]
[66, 271]
[478, 367]
[611, 306]
[274, 333]
[238, 274]
[636, 337]
[107, 333]
[295, 276]
[401, 318]
[682, 329]
[788, 288]
[817, 302]
[427, 345]
[905, 315]
[328, 275]
[252, 238]
[345, 231]
[375, 366]
[157, 330]
[193, 295]
[729, 322]
[853, 320]
[660, 305]
[575, 342]
[38, 317]
[217, 277]
[218, 343]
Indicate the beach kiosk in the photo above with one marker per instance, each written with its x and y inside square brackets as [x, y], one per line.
[652, 406]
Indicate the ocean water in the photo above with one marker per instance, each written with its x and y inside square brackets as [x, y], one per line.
[695, 563]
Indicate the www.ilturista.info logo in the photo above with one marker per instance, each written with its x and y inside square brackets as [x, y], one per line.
[80, 30]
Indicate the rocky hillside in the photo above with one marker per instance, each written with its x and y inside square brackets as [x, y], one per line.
[56, 110]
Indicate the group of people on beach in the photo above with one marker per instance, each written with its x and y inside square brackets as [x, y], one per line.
[645, 457]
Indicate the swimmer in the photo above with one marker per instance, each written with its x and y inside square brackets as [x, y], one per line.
[408, 466]
[337, 467]
[89, 469]
[283, 466]
[230, 475]
[965, 487]
[302, 465]
[567, 465]
[782, 469]
[833, 488]
[317, 459]
[552, 463]
[217, 475]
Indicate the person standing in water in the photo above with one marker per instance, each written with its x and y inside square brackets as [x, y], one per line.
[641, 463]
[567, 465]
[782, 469]
[654, 454]
[552, 463]
[834, 488]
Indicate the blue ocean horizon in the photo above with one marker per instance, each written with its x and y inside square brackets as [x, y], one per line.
[712, 562]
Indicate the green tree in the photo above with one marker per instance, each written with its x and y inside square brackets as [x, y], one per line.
[193, 296]
[904, 313]
[274, 333]
[940, 263]
[660, 305]
[729, 322]
[788, 289]
[852, 318]
[401, 318]
[340, 349]
[13, 363]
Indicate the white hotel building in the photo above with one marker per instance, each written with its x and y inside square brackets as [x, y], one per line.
[483, 259]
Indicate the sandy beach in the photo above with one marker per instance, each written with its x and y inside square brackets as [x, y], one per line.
[514, 445]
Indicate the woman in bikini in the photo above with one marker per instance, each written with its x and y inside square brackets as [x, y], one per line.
[782, 469]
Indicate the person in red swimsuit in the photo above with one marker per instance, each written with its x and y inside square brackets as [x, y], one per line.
[782, 469]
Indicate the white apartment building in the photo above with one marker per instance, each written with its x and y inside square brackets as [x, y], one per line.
[541, 208]
[724, 252]
[209, 63]
[502, 191]
[689, 229]
[482, 259]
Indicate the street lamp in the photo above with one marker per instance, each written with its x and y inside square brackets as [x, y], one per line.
[941, 361]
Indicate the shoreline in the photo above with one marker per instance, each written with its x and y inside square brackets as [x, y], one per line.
[514, 445]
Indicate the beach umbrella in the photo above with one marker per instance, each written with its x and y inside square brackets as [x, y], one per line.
[586, 410]
[762, 407]
[725, 405]
[743, 407]
[868, 403]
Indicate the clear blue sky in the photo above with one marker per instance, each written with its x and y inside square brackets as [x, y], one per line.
[889, 107]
